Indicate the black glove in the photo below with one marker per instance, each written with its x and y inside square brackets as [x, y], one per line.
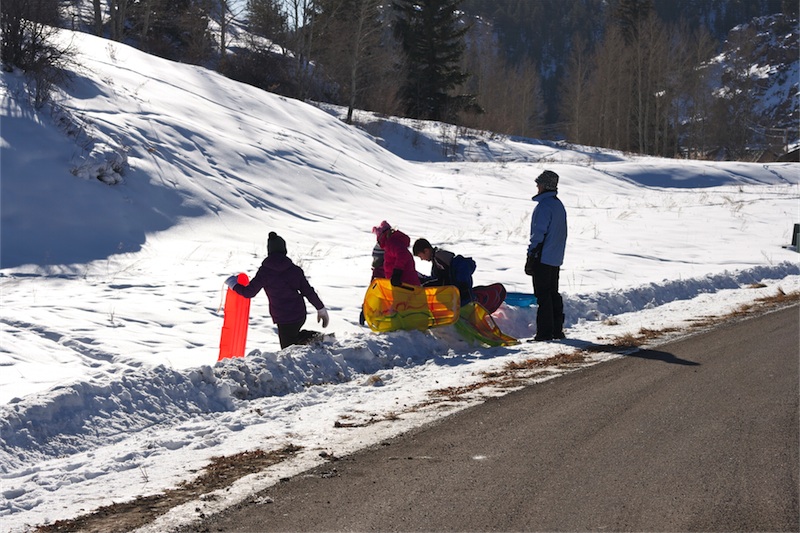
[397, 277]
[529, 263]
[534, 258]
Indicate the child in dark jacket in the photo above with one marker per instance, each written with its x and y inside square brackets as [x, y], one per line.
[285, 285]
[447, 268]
[377, 262]
[377, 272]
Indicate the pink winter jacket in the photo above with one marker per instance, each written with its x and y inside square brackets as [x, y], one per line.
[397, 255]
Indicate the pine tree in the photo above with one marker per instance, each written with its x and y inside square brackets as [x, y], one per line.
[431, 34]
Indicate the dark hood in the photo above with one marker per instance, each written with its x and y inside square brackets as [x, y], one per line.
[277, 263]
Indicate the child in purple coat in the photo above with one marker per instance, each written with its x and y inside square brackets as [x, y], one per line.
[285, 285]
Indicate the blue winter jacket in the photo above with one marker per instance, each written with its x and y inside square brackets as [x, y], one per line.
[549, 225]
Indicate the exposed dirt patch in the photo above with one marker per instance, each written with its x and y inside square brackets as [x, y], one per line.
[220, 473]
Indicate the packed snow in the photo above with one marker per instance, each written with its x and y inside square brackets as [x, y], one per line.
[127, 204]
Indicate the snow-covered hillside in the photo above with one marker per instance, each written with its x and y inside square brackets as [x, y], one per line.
[768, 46]
[111, 293]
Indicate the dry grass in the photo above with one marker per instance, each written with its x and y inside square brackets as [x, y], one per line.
[347, 421]
[561, 360]
[514, 375]
[759, 305]
[636, 340]
[220, 473]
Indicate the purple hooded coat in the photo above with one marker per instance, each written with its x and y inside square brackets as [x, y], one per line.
[285, 285]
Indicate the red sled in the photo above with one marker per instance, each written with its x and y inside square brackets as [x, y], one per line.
[489, 296]
[234, 326]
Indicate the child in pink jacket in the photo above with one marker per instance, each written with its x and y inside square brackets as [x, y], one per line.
[398, 263]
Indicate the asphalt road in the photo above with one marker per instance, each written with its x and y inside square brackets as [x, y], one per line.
[700, 435]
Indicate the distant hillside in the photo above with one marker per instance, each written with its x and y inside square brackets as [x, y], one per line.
[756, 74]
[766, 49]
[545, 30]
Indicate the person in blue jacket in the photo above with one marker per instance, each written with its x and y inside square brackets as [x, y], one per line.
[286, 287]
[546, 255]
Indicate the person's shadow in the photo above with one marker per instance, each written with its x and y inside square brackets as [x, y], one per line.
[658, 355]
[631, 351]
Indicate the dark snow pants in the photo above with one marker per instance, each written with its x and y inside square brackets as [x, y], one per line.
[290, 334]
[550, 313]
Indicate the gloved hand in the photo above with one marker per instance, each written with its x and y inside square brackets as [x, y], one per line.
[397, 277]
[534, 258]
[530, 263]
[322, 316]
[231, 281]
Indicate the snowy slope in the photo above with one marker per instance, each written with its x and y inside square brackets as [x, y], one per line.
[111, 293]
[771, 45]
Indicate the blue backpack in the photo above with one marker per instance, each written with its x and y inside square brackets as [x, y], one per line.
[461, 270]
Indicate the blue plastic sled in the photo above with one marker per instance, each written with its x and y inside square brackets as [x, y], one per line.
[520, 299]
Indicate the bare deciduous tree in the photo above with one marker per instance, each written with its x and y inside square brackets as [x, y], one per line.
[575, 91]
[347, 42]
[735, 109]
[226, 12]
[301, 18]
[97, 10]
[509, 94]
[118, 13]
[632, 96]
[28, 29]
[365, 37]
[697, 98]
